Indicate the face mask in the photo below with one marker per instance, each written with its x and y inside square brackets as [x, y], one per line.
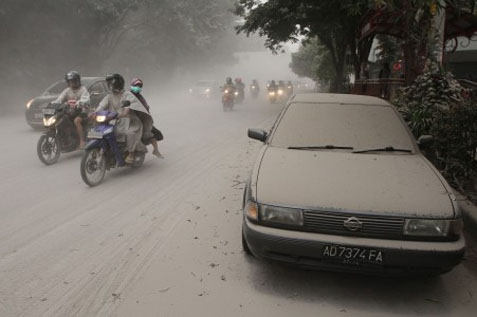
[136, 89]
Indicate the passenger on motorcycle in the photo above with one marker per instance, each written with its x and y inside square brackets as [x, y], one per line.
[77, 96]
[129, 127]
[150, 132]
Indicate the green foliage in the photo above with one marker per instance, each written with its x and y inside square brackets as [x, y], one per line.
[434, 105]
[313, 60]
[334, 23]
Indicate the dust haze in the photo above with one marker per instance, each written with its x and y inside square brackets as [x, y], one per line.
[169, 44]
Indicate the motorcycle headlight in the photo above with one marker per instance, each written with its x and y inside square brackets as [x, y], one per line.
[207, 90]
[281, 215]
[271, 93]
[28, 105]
[226, 91]
[100, 119]
[236, 93]
[48, 122]
[280, 92]
[432, 228]
[190, 90]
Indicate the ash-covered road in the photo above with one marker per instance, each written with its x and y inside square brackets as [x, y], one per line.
[164, 240]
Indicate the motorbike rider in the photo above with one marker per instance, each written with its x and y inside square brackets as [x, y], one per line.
[229, 85]
[272, 86]
[150, 132]
[129, 127]
[77, 96]
[255, 86]
[240, 86]
[290, 88]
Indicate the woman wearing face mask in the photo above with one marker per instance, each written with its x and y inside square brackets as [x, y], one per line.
[150, 132]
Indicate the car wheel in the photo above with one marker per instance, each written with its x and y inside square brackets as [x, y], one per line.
[245, 247]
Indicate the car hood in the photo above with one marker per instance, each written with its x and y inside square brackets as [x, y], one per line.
[395, 185]
[41, 101]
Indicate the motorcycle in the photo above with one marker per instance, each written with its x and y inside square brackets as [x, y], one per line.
[61, 135]
[103, 152]
[240, 95]
[228, 98]
[254, 90]
[272, 95]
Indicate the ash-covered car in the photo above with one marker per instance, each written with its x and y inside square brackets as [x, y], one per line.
[96, 86]
[341, 184]
[205, 89]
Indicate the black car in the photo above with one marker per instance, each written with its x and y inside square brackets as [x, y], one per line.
[96, 86]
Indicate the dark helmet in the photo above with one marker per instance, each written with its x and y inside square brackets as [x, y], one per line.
[273, 82]
[228, 80]
[73, 79]
[115, 82]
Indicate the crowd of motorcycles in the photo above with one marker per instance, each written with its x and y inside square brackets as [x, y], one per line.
[102, 152]
[235, 94]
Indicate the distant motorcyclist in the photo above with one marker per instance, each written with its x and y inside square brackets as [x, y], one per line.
[272, 86]
[254, 88]
[289, 88]
[240, 88]
[77, 96]
[129, 127]
[149, 131]
[229, 85]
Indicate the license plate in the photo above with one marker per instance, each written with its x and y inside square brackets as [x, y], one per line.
[95, 135]
[48, 111]
[38, 115]
[353, 255]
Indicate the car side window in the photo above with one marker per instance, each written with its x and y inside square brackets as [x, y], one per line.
[97, 88]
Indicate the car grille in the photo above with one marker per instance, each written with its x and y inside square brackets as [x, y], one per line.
[373, 226]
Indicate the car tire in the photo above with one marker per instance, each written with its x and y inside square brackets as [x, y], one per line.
[245, 247]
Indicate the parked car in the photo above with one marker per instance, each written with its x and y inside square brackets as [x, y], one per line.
[96, 86]
[340, 184]
[205, 89]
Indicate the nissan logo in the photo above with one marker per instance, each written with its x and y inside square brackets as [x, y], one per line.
[353, 224]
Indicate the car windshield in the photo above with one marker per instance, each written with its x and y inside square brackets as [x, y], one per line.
[56, 88]
[360, 127]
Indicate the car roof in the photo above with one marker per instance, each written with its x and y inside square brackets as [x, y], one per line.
[339, 98]
[89, 80]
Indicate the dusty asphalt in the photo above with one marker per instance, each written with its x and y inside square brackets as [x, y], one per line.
[164, 240]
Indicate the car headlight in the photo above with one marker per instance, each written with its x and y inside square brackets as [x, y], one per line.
[100, 118]
[433, 228]
[48, 122]
[280, 92]
[207, 90]
[271, 93]
[226, 91]
[236, 93]
[28, 105]
[281, 215]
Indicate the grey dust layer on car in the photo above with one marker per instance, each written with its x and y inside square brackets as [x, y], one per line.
[96, 86]
[341, 184]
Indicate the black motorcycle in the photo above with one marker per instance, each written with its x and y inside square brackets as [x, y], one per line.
[61, 135]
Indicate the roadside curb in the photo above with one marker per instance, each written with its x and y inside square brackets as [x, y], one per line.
[469, 214]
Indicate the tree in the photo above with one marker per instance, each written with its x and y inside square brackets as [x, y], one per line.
[313, 60]
[334, 23]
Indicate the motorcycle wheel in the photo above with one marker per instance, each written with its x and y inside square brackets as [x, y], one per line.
[48, 149]
[93, 167]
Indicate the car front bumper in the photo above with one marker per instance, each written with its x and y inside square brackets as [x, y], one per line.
[306, 249]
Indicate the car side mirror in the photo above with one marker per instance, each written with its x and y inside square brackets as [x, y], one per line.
[425, 141]
[257, 134]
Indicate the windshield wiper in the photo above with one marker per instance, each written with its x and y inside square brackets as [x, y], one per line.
[384, 149]
[321, 147]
